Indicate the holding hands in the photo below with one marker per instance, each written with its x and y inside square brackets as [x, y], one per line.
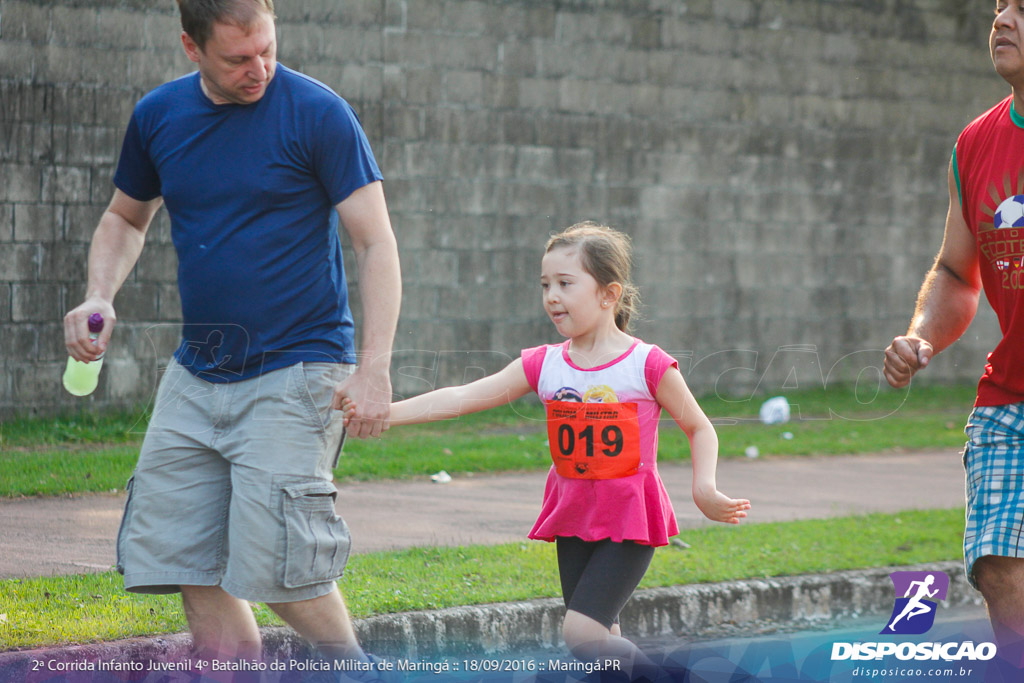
[365, 401]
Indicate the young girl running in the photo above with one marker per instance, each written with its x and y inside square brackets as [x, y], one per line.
[605, 506]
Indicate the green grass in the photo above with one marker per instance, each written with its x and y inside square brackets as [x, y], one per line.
[88, 453]
[55, 472]
[77, 429]
[94, 607]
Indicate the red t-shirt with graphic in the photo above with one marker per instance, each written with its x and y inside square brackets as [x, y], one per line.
[989, 166]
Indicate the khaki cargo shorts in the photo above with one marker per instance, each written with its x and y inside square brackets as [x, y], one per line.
[234, 487]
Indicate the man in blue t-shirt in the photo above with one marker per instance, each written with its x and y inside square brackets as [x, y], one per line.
[233, 498]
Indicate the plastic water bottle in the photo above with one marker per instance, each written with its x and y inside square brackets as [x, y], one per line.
[80, 378]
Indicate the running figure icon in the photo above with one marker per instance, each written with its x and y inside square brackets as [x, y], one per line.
[917, 595]
[915, 606]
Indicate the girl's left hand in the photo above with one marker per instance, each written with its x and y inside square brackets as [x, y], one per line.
[719, 507]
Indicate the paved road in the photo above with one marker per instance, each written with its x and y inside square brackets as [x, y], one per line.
[50, 536]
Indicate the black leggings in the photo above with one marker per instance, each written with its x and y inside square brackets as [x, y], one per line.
[599, 576]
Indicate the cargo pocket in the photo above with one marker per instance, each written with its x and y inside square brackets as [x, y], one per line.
[317, 541]
[122, 530]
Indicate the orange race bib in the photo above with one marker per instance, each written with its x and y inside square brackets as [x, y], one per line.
[594, 440]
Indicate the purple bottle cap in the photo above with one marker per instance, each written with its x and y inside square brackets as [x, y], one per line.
[95, 323]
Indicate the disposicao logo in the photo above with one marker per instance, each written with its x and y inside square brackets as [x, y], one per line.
[913, 613]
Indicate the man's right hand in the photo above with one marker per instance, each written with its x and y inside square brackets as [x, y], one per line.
[905, 356]
[365, 398]
[76, 330]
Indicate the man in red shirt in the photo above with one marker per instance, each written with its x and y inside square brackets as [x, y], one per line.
[983, 248]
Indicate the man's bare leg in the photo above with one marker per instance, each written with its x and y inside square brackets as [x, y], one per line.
[1001, 580]
[325, 623]
[223, 626]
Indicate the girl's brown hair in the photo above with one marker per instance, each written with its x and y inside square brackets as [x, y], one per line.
[607, 255]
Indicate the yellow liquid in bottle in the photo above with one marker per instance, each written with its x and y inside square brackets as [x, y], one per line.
[80, 379]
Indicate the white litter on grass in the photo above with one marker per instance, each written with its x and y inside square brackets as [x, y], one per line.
[788, 436]
[775, 411]
[441, 477]
[752, 452]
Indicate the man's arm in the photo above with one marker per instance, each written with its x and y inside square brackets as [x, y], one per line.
[115, 249]
[946, 303]
[364, 215]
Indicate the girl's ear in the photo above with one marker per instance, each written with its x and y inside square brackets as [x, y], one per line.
[611, 295]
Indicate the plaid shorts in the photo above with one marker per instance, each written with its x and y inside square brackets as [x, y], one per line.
[994, 464]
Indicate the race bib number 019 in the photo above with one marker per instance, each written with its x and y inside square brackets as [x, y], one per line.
[594, 440]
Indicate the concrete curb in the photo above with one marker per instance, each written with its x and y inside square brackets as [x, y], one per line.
[702, 610]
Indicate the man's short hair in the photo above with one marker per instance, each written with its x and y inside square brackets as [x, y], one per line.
[199, 16]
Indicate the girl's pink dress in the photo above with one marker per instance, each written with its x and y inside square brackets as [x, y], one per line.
[634, 507]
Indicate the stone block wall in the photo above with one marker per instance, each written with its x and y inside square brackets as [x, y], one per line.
[780, 164]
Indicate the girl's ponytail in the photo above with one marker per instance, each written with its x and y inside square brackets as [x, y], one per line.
[627, 307]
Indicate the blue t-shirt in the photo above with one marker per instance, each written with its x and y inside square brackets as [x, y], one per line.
[251, 191]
